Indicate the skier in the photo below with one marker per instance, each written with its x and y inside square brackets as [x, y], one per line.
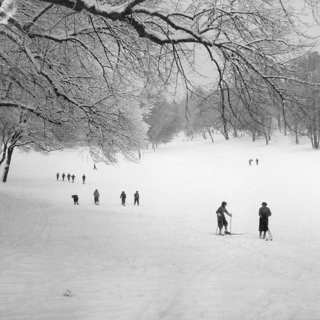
[68, 177]
[250, 162]
[73, 177]
[257, 161]
[136, 197]
[222, 221]
[123, 197]
[63, 176]
[75, 198]
[83, 178]
[96, 196]
[58, 175]
[264, 214]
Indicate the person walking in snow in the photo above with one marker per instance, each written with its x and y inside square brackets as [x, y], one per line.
[58, 175]
[257, 161]
[83, 178]
[73, 177]
[75, 198]
[264, 214]
[123, 197]
[222, 221]
[250, 162]
[136, 198]
[94, 167]
[68, 177]
[63, 176]
[96, 196]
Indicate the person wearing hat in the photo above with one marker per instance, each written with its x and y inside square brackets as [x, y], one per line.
[264, 214]
[222, 221]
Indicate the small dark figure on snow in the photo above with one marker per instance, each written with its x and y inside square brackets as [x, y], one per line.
[136, 198]
[58, 175]
[250, 162]
[264, 214]
[68, 177]
[94, 167]
[96, 196]
[63, 176]
[222, 221]
[257, 161]
[83, 178]
[75, 198]
[73, 177]
[123, 197]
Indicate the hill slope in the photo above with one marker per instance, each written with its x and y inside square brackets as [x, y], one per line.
[163, 259]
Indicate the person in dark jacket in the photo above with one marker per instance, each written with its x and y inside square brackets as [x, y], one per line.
[123, 197]
[136, 198]
[96, 196]
[63, 176]
[257, 161]
[58, 175]
[68, 177]
[222, 221]
[250, 162]
[83, 178]
[264, 214]
[75, 198]
[73, 177]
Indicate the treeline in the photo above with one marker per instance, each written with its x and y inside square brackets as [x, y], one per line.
[256, 110]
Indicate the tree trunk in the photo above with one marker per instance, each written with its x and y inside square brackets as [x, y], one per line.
[279, 122]
[296, 133]
[315, 140]
[311, 137]
[225, 130]
[211, 134]
[235, 133]
[317, 131]
[4, 152]
[266, 138]
[284, 120]
[7, 165]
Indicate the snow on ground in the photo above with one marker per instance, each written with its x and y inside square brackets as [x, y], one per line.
[163, 259]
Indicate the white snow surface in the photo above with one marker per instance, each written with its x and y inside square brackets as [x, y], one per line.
[104, 6]
[162, 260]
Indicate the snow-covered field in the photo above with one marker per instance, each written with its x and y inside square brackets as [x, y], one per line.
[163, 259]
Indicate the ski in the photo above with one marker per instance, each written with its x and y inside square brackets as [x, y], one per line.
[229, 234]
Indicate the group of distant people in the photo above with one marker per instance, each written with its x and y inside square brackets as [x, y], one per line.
[264, 214]
[70, 177]
[136, 198]
[252, 160]
[96, 198]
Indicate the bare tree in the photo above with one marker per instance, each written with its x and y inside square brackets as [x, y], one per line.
[85, 57]
[59, 70]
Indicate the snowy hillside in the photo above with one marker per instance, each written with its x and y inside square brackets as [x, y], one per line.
[162, 260]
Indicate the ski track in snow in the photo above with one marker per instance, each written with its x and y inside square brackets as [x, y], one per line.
[162, 260]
